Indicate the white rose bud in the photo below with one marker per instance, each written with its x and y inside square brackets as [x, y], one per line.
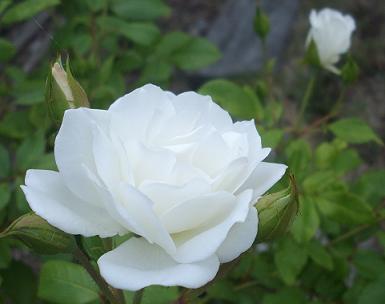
[61, 79]
[172, 169]
[331, 32]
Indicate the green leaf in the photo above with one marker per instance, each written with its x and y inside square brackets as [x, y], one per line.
[5, 254]
[63, 282]
[299, 154]
[139, 32]
[307, 222]
[40, 236]
[20, 284]
[5, 163]
[354, 130]
[319, 255]
[140, 9]
[373, 293]
[171, 43]
[157, 72]
[369, 265]
[4, 4]
[370, 186]
[198, 53]
[290, 259]
[319, 181]
[345, 208]
[94, 246]
[271, 138]
[231, 97]
[155, 295]
[15, 125]
[286, 295]
[30, 150]
[7, 50]
[5, 195]
[26, 9]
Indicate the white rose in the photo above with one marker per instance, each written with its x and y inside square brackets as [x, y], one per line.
[173, 169]
[331, 32]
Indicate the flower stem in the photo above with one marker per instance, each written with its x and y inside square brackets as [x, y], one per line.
[104, 288]
[306, 98]
[138, 296]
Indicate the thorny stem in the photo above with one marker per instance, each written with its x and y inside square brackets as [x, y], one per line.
[83, 260]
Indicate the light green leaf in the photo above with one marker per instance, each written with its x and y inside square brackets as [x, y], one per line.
[345, 208]
[370, 186]
[231, 97]
[63, 282]
[354, 130]
[157, 72]
[26, 9]
[299, 154]
[271, 138]
[319, 255]
[307, 221]
[290, 259]
[140, 9]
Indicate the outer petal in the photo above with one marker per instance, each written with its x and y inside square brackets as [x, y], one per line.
[137, 211]
[240, 238]
[199, 244]
[264, 176]
[136, 264]
[74, 153]
[48, 196]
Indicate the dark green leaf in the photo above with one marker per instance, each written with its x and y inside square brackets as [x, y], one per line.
[7, 50]
[26, 9]
[290, 259]
[5, 195]
[140, 9]
[139, 32]
[5, 163]
[319, 255]
[373, 293]
[66, 283]
[30, 150]
[40, 236]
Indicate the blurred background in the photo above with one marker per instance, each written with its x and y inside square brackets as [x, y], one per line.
[115, 46]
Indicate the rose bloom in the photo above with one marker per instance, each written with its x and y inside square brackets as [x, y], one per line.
[172, 169]
[331, 32]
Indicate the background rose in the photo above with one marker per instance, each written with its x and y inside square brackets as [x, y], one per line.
[175, 170]
[331, 31]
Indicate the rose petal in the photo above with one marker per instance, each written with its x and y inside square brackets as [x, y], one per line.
[240, 238]
[264, 176]
[48, 196]
[136, 264]
[73, 151]
[201, 243]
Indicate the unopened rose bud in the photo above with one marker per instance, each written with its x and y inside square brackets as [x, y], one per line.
[63, 92]
[60, 77]
[276, 212]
